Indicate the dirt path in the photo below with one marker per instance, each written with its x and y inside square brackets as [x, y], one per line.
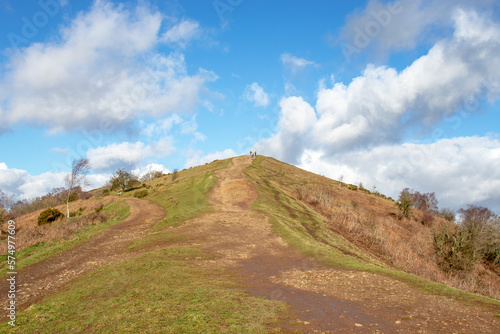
[321, 299]
[46, 277]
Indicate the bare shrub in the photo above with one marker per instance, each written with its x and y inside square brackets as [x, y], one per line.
[150, 176]
[447, 214]
[456, 247]
[425, 202]
[427, 219]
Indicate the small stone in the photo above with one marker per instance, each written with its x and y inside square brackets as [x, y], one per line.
[306, 322]
[358, 325]
[398, 322]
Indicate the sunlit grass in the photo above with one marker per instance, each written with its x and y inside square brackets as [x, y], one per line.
[156, 292]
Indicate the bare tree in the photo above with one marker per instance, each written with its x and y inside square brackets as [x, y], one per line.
[78, 177]
[5, 203]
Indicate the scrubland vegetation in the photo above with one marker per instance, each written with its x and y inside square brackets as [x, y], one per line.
[410, 234]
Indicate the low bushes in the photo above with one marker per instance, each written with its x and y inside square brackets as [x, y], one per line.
[141, 193]
[48, 216]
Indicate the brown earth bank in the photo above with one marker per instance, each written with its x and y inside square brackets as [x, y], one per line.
[46, 277]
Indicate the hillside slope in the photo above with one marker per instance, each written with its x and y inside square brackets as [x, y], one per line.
[241, 251]
[359, 224]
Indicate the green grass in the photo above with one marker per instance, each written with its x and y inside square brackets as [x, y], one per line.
[155, 238]
[152, 293]
[117, 211]
[304, 230]
[187, 196]
[160, 291]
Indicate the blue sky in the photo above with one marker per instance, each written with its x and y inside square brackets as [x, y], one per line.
[392, 94]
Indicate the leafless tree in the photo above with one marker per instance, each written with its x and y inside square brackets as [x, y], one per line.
[78, 177]
[5, 203]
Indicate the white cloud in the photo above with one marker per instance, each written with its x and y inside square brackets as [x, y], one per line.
[23, 185]
[196, 160]
[449, 167]
[402, 24]
[296, 119]
[58, 150]
[190, 127]
[92, 73]
[256, 94]
[296, 64]
[182, 33]
[150, 168]
[126, 155]
[160, 127]
[380, 106]
[356, 130]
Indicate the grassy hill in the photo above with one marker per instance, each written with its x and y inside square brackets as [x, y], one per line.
[346, 227]
[161, 286]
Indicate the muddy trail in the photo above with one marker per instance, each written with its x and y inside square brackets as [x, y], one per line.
[320, 299]
[46, 277]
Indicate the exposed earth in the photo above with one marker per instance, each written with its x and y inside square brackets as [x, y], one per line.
[46, 277]
[321, 299]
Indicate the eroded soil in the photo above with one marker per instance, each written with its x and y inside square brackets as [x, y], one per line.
[46, 277]
[320, 299]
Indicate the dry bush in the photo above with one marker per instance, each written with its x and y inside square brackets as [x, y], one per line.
[406, 243]
[30, 234]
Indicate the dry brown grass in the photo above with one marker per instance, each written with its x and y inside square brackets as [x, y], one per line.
[29, 233]
[373, 223]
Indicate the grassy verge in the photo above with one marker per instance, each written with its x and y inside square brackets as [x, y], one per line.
[152, 293]
[186, 196]
[304, 230]
[117, 211]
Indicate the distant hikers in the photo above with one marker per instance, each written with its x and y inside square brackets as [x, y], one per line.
[253, 154]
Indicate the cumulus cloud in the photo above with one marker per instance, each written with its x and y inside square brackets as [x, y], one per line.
[382, 105]
[449, 167]
[93, 73]
[357, 130]
[402, 24]
[296, 64]
[182, 33]
[196, 159]
[140, 171]
[256, 94]
[23, 185]
[160, 127]
[296, 119]
[126, 155]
